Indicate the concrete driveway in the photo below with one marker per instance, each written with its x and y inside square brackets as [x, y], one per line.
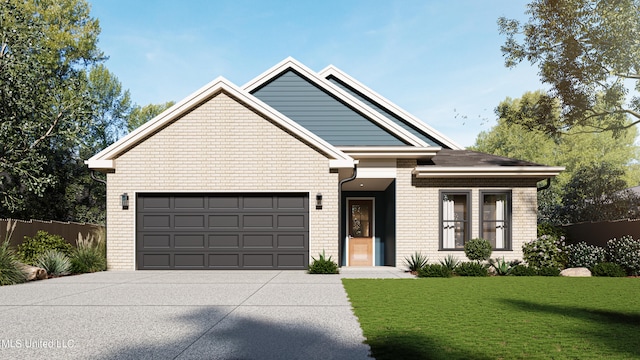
[183, 315]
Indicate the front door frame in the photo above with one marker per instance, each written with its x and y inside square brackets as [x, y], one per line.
[373, 226]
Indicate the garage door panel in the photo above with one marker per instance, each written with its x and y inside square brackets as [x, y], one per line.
[189, 202]
[189, 221]
[257, 261]
[291, 241]
[257, 241]
[224, 241]
[189, 241]
[156, 241]
[293, 261]
[222, 231]
[224, 221]
[190, 261]
[292, 221]
[257, 221]
[224, 261]
[257, 202]
[156, 221]
[157, 261]
[290, 202]
[224, 202]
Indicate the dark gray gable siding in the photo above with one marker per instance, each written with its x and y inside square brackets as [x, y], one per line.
[388, 114]
[321, 113]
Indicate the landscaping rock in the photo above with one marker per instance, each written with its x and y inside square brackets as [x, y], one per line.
[576, 272]
[34, 272]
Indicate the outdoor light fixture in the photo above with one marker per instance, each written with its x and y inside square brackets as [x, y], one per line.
[124, 200]
[318, 201]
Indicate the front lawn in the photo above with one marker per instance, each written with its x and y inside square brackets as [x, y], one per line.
[499, 317]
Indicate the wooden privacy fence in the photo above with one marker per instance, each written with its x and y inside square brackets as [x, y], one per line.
[598, 233]
[68, 230]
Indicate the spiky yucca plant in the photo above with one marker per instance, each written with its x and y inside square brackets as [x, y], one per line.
[416, 261]
[55, 262]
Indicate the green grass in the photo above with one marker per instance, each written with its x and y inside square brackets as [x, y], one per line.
[499, 317]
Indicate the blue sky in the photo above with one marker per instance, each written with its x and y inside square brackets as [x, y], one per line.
[439, 60]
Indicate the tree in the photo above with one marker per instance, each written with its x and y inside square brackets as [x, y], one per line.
[589, 54]
[596, 192]
[576, 150]
[44, 45]
[140, 115]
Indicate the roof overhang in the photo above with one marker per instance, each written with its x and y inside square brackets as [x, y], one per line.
[529, 172]
[390, 152]
[104, 160]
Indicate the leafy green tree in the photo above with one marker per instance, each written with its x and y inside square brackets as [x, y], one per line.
[596, 192]
[44, 45]
[588, 53]
[575, 150]
[141, 114]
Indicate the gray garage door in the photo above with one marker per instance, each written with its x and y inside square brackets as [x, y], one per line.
[222, 231]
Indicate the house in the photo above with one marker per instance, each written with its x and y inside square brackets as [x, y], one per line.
[295, 163]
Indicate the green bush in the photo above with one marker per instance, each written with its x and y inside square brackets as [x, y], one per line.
[89, 256]
[583, 255]
[323, 265]
[478, 249]
[472, 269]
[34, 247]
[501, 266]
[553, 231]
[55, 262]
[626, 253]
[450, 262]
[416, 261]
[523, 270]
[548, 271]
[545, 251]
[434, 270]
[608, 269]
[10, 270]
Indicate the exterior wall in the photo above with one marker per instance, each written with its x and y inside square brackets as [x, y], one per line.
[220, 146]
[418, 213]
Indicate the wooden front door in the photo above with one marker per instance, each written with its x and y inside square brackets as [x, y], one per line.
[360, 232]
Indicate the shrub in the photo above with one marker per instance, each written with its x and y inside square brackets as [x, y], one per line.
[548, 229]
[545, 251]
[583, 255]
[416, 261]
[55, 262]
[450, 262]
[548, 271]
[34, 247]
[626, 253]
[10, 269]
[608, 269]
[478, 249]
[523, 270]
[89, 256]
[323, 265]
[502, 267]
[434, 270]
[472, 269]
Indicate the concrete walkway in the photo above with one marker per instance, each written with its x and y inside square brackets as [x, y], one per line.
[184, 315]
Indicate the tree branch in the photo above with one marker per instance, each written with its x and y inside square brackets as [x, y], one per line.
[48, 133]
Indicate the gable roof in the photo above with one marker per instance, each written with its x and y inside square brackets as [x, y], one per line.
[104, 160]
[386, 108]
[340, 94]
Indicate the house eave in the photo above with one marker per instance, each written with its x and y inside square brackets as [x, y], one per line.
[526, 172]
[390, 152]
